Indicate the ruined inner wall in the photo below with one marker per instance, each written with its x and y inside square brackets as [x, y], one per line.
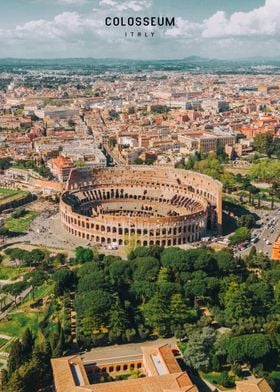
[157, 205]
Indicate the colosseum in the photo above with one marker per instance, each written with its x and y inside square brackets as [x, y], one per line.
[155, 205]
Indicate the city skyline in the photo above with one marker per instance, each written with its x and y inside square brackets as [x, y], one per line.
[68, 28]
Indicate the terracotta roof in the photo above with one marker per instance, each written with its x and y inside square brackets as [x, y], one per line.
[57, 186]
[169, 359]
[62, 162]
[255, 385]
[177, 382]
[63, 378]
[70, 375]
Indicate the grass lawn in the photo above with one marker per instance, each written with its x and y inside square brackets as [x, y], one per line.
[7, 192]
[25, 317]
[18, 322]
[10, 194]
[40, 292]
[3, 342]
[211, 377]
[275, 375]
[20, 225]
[11, 272]
[182, 346]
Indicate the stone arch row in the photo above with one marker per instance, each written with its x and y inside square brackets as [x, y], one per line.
[115, 368]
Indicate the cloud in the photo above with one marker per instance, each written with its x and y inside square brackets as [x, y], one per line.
[71, 34]
[262, 21]
[134, 5]
[184, 28]
[72, 2]
[65, 26]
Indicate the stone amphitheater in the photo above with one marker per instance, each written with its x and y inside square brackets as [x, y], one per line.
[156, 205]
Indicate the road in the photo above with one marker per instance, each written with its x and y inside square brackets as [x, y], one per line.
[267, 230]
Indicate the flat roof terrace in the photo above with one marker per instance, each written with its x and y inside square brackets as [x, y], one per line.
[122, 351]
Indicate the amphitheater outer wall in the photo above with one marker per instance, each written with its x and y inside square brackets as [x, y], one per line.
[164, 230]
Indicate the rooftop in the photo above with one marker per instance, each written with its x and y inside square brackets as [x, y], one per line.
[160, 369]
[254, 385]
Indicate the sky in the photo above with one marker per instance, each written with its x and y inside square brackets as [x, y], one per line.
[225, 29]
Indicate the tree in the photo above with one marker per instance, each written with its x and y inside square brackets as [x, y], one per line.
[16, 289]
[261, 261]
[65, 280]
[118, 322]
[20, 212]
[91, 279]
[143, 290]
[178, 260]
[225, 261]
[38, 255]
[71, 123]
[205, 261]
[60, 346]
[178, 310]
[246, 347]
[93, 308]
[83, 255]
[196, 286]
[262, 296]
[225, 380]
[119, 272]
[157, 314]
[37, 278]
[265, 170]
[238, 302]
[277, 293]
[247, 221]
[146, 268]
[138, 161]
[252, 191]
[140, 251]
[241, 234]
[5, 163]
[32, 375]
[16, 383]
[15, 358]
[163, 276]
[263, 142]
[198, 348]
[4, 231]
[27, 344]
[210, 166]
[274, 191]
[252, 254]
[59, 259]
